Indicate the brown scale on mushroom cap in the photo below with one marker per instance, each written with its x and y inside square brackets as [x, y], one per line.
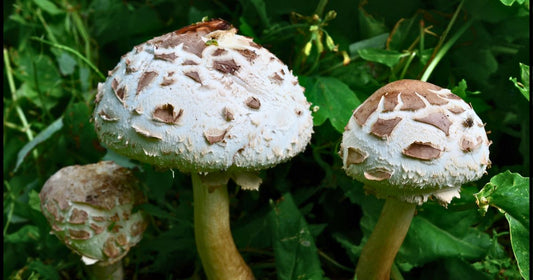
[190, 36]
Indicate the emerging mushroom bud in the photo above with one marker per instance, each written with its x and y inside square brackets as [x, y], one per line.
[424, 140]
[90, 210]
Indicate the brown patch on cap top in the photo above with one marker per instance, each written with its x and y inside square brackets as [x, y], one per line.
[438, 120]
[190, 36]
[214, 135]
[193, 75]
[79, 234]
[456, 110]
[468, 144]
[363, 112]
[377, 174]
[355, 156]
[422, 151]
[170, 57]
[219, 51]
[165, 113]
[248, 54]
[78, 217]
[390, 101]
[253, 102]
[383, 128]
[145, 80]
[411, 101]
[432, 97]
[226, 66]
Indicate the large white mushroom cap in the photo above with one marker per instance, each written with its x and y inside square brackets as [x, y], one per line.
[412, 140]
[203, 99]
[90, 209]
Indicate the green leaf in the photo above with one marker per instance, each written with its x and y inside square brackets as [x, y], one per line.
[509, 192]
[48, 7]
[520, 243]
[34, 201]
[426, 242]
[334, 100]
[460, 90]
[523, 86]
[41, 137]
[294, 248]
[511, 2]
[387, 57]
[66, 62]
[27, 233]
[47, 272]
[374, 42]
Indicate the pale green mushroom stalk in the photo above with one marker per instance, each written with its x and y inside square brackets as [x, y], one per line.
[211, 103]
[90, 209]
[410, 141]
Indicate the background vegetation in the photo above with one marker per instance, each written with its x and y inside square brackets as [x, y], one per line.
[309, 219]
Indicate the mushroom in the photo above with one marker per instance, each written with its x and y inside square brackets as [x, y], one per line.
[90, 209]
[410, 141]
[211, 103]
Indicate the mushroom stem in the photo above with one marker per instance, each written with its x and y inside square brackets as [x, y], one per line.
[214, 242]
[114, 271]
[386, 239]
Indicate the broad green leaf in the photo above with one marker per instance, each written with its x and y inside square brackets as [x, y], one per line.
[374, 42]
[294, 248]
[520, 242]
[426, 242]
[40, 72]
[66, 62]
[27, 233]
[47, 272]
[41, 137]
[330, 99]
[460, 90]
[387, 57]
[458, 269]
[509, 192]
[34, 201]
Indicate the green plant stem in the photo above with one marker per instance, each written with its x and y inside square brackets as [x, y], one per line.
[11, 207]
[73, 51]
[441, 49]
[386, 239]
[444, 50]
[20, 113]
[214, 242]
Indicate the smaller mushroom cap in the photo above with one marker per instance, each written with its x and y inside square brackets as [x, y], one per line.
[203, 99]
[412, 140]
[90, 210]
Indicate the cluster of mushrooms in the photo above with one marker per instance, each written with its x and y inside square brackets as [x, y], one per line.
[214, 104]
